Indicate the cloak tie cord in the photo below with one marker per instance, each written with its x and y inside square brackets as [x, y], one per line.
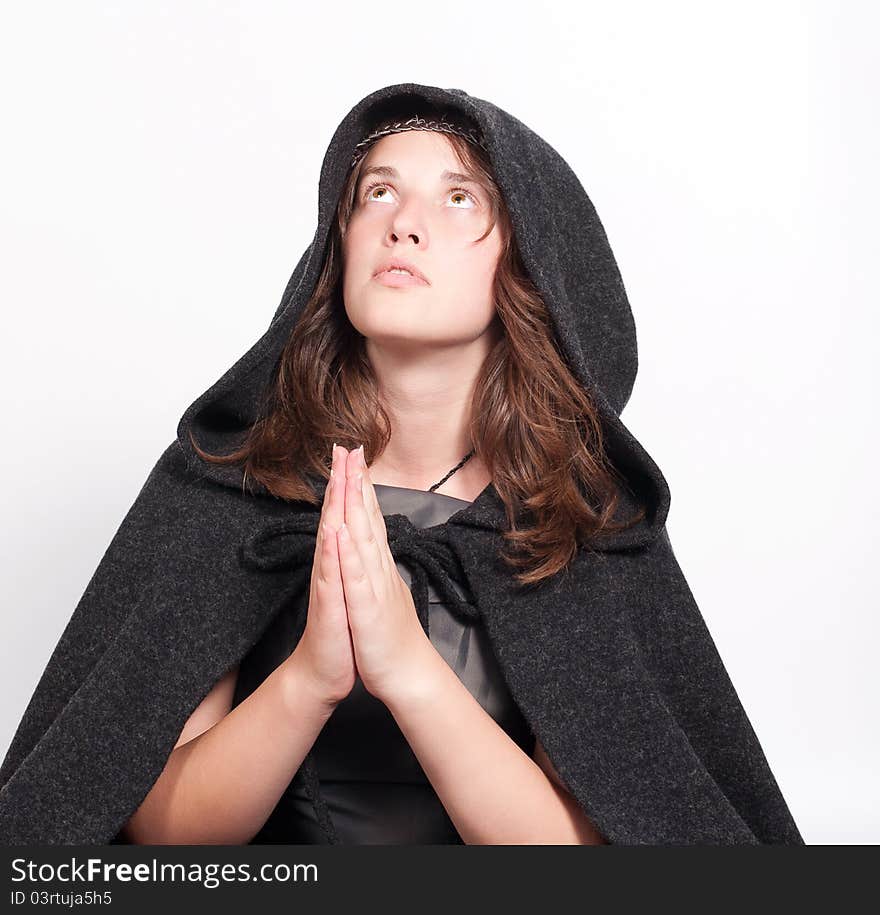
[290, 544]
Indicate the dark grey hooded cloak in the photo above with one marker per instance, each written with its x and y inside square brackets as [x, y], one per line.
[611, 664]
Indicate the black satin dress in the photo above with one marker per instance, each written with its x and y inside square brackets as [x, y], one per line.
[376, 791]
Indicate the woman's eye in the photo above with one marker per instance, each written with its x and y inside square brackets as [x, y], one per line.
[376, 187]
[372, 192]
[458, 192]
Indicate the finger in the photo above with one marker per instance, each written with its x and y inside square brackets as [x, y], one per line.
[357, 519]
[329, 572]
[336, 508]
[333, 502]
[328, 523]
[325, 504]
[377, 520]
[329, 585]
[356, 583]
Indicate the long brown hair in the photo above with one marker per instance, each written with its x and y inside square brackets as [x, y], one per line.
[532, 423]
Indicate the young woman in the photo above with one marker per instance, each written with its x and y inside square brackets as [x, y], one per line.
[330, 634]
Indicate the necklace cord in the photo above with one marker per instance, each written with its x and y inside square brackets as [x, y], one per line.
[461, 463]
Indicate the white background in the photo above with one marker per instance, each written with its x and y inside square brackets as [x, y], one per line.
[160, 167]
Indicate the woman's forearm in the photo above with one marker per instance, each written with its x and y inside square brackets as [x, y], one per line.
[220, 787]
[494, 793]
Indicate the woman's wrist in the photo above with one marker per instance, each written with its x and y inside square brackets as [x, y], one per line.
[419, 680]
[304, 694]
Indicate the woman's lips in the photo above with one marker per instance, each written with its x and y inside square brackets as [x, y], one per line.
[398, 279]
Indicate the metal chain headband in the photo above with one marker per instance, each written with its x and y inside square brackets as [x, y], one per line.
[416, 123]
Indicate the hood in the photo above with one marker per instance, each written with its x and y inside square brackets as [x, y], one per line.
[567, 255]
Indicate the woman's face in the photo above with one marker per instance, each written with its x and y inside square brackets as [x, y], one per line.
[416, 214]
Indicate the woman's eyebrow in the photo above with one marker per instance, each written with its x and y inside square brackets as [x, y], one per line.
[387, 171]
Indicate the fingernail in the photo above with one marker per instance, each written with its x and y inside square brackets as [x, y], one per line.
[361, 458]
[333, 452]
